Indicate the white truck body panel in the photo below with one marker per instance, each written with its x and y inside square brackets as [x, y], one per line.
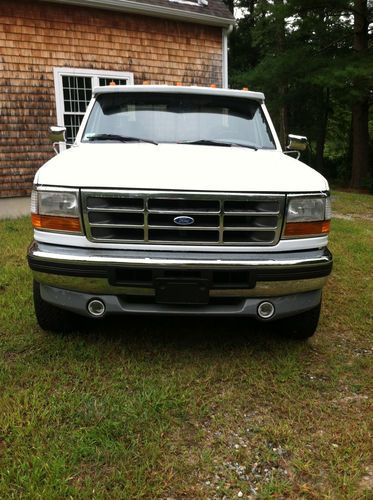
[179, 167]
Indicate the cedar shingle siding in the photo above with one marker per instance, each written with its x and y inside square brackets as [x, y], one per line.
[36, 37]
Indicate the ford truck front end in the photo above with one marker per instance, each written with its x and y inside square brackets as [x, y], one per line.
[179, 201]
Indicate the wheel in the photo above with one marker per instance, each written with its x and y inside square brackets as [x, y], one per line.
[52, 318]
[300, 327]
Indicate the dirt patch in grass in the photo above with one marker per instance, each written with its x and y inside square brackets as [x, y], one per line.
[337, 215]
[352, 205]
[366, 483]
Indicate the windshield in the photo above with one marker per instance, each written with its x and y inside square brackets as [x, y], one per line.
[178, 118]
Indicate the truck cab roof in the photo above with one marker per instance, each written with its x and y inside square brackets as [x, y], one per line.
[178, 89]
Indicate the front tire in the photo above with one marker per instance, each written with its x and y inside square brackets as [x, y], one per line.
[299, 327]
[51, 318]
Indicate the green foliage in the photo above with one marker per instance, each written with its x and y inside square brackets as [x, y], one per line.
[300, 53]
[369, 184]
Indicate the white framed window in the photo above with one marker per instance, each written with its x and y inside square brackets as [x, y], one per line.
[73, 88]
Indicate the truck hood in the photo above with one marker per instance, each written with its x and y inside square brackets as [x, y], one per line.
[178, 167]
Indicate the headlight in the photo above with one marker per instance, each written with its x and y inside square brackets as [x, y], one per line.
[306, 209]
[58, 203]
[55, 210]
[307, 216]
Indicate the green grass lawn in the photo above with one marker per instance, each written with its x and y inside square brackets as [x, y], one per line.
[190, 408]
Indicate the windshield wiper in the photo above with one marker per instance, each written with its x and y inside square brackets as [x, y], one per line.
[205, 142]
[117, 137]
[239, 145]
[211, 142]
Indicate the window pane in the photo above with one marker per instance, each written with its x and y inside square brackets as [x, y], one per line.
[108, 81]
[72, 124]
[77, 92]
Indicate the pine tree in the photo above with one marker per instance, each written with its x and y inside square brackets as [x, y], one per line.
[301, 53]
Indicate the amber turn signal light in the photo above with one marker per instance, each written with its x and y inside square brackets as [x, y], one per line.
[307, 228]
[53, 222]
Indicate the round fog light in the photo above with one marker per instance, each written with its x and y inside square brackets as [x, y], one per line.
[96, 308]
[266, 310]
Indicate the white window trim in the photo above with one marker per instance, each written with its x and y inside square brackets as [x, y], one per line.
[224, 69]
[96, 74]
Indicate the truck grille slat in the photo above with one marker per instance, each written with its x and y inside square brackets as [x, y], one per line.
[119, 234]
[251, 206]
[250, 222]
[182, 218]
[190, 236]
[115, 218]
[248, 228]
[118, 226]
[249, 237]
[178, 205]
[115, 203]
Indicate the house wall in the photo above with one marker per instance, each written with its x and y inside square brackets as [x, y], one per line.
[36, 36]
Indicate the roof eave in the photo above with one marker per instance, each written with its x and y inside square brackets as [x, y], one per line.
[152, 10]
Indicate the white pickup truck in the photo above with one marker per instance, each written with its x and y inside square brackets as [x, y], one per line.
[179, 200]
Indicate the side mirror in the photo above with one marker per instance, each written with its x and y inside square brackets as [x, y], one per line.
[56, 136]
[297, 143]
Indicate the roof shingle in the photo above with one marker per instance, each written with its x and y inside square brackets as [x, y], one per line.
[215, 12]
[216, 8]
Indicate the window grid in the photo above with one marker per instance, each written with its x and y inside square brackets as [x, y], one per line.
[109, 81]
[77, 92]
[72, 124]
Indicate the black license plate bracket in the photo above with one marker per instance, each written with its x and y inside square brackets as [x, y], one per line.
[182, 291]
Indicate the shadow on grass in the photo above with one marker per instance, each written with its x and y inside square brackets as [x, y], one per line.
[192, 334]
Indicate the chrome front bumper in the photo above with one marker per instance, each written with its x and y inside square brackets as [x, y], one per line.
[88, 270]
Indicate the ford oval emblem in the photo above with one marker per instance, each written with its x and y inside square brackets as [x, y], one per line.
[184, 220]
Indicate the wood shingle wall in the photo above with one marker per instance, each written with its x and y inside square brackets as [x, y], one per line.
[35, 37]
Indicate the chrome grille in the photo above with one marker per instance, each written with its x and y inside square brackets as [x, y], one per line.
[148, 217]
